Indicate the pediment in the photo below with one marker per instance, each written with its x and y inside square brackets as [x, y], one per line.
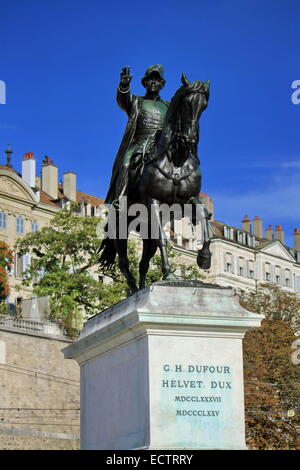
[15, 187]
[278, 250]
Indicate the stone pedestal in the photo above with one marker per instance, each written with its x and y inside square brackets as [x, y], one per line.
[163, 369]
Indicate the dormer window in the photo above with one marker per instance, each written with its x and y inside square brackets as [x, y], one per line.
[250, 240]
[228, 232]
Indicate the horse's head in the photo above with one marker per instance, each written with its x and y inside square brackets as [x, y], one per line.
[194, 100]
[181, 124]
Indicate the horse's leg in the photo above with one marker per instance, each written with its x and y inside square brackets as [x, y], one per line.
[203, 216]
[162, 242]
[121, 248]
[149, 249]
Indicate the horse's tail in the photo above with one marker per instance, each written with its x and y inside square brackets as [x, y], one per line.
[108, 253]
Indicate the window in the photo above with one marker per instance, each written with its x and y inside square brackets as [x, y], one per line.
[277, 275]
[251, 269]
[22, 262]
[228, 232]
[19, 225]
[228, 262]
[3, 221]
[288, 278]
[297, 286]
[267, 271]
[241, 266]
[34, 226]
[18, 265]
[241, 237]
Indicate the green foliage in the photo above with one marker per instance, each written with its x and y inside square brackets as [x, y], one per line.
[272, 381]
[62, 256]
[4, 309]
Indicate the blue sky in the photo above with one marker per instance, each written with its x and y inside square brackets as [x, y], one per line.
[61, 60]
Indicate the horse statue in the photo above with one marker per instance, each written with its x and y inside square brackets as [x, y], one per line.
[166, 175]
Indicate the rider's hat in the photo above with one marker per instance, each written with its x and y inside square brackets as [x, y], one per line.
[154, 68]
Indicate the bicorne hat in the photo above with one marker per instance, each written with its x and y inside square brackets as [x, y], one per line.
[154, 68]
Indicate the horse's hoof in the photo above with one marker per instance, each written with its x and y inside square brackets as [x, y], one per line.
[132, 290]
[204, 261]
[170, 277]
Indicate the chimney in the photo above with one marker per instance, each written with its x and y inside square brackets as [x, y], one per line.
[297, 239]
[269, 232]
[279, 234]
[28, 169]
[70, 185]
[50, 178]
[257, 227]
[246, 224]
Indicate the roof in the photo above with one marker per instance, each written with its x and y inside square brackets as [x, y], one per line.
[46, 199]
[8, 168]
[217, 228]
[80, 197]
[93, 200]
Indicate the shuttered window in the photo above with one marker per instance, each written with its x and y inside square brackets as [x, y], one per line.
[19, 225]
[34, 226]
[22, 262]
[251, 268]
[228, 262]
[267, 272]
[3, 225]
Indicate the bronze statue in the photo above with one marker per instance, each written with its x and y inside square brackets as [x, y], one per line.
[157, 164]
[146, 118]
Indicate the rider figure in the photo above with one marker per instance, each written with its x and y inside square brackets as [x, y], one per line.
[146, 115]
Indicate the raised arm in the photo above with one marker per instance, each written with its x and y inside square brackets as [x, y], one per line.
[124, 98]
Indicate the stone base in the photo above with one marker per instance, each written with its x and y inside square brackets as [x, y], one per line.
[163, 369]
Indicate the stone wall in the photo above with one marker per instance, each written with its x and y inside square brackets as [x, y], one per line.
[39, 392]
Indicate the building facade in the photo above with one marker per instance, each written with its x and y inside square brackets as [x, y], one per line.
[28, 202]
[243, 257]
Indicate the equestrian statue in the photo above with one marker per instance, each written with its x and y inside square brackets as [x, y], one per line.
[156, 166]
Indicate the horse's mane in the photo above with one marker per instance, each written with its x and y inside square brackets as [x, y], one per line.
[170, 120]
[196, 87]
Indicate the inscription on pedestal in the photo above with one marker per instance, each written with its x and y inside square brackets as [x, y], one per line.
[196, 390]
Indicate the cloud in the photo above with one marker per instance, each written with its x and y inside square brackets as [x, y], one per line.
[278, 200]
[291, 164]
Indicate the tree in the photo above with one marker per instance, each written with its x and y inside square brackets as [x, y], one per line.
[6, 260]
[272, 381]
[64, 266]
